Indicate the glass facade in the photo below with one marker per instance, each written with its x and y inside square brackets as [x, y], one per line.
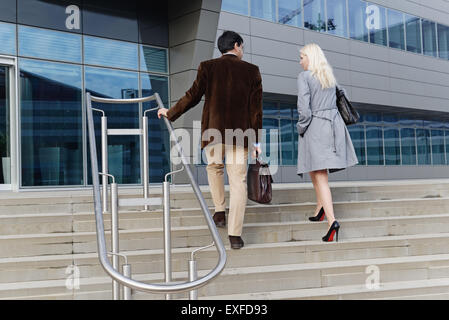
[396, 29]
[354, 19]
[413, 32]
[379, 138]
[66, 48]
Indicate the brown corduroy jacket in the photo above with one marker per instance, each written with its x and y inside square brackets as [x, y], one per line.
[233, 97]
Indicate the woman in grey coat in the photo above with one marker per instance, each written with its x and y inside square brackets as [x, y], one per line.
[324, 143]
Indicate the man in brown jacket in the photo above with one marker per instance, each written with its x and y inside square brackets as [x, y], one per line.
[232, 116]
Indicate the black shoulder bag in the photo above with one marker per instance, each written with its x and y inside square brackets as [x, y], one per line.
[347, 111]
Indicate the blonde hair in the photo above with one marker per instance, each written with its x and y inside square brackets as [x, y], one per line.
[319, 66]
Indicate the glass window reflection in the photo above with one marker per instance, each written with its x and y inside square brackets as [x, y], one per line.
[7, 38]
[290, 12]
[123, 151]
[153, 59]
[374, 145]
[51, 126]
[438, 156]
[443, 41]
[264, 9]
[337, 23]
[287, 148]
[357, 20]
[392, 146]
[413, 32]
[357, 134]
[396, 32]
[267, 144]
[48, 44]
[110, 53]
[423, 144]
[158, 138]
[235, 6]
[377, 24]
[314, 15]
[429, 38]
[408, 146]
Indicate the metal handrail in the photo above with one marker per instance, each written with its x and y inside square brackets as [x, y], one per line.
[101, 242]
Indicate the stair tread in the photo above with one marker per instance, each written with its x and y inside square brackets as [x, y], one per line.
[331, 291]
[159, 276]
[247, 247]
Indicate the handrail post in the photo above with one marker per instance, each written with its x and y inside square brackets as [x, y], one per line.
[115, 238]
[145, 158]
[126, 270]
[193, 275]
[104, 160]
[167, 236]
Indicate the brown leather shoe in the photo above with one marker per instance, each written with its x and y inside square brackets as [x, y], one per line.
[236, 242]
[220, 219]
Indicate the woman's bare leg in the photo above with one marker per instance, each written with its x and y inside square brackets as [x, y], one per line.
[318, 200]
[323, 190]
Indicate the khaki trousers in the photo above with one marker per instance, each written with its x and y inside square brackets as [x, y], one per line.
[236, 167]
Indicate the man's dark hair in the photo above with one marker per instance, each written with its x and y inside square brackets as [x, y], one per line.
[227, 40]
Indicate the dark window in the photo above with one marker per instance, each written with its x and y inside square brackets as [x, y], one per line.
[49, 14]
[429, 38]
[116, 19]
[8, 10]
[413, 31]
[443, 41]
[51, 125]
[153, 22]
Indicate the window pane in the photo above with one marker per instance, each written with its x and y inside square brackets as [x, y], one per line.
[48, 14]
[443, 41]
[270, 108]
[357, 134]
[290, 12]
[438, 156]
[314, 15]
[265, 9]
[8, 10]
[55, 45]
[337, 22]
[357, 20]
[408, 146]
[153, 59]
[7, 38]
[374, 145]
[390, 118]
[392, 147]
[287, 147]
[429, 38]
[110, 53]
[51, 125]
[158, 138]
[111, 19]
[373, 117]
[236, 6]
[423, 141]
[413, 32]
[286, 110]
[446, 143]
[153, 22]
[123, 151]
[396, 29]
[269, 124]
[377, 24]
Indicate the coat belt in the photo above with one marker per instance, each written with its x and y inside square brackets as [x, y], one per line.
[332, 123]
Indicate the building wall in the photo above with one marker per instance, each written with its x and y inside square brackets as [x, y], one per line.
[371, 74]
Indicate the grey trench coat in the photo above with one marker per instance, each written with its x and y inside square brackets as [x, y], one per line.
[324, 141]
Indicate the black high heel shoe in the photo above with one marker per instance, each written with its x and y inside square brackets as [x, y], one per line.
[333, 230]
[319, 216]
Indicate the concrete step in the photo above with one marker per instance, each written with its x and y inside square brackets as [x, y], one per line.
[71, 201]
[84, 222]
[414, 289]
[266, 278]
[54, 267]
[144, 239]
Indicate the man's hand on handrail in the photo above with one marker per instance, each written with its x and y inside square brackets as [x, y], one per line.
[162, 112]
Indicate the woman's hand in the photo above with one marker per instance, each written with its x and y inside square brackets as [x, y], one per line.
[162, 112]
